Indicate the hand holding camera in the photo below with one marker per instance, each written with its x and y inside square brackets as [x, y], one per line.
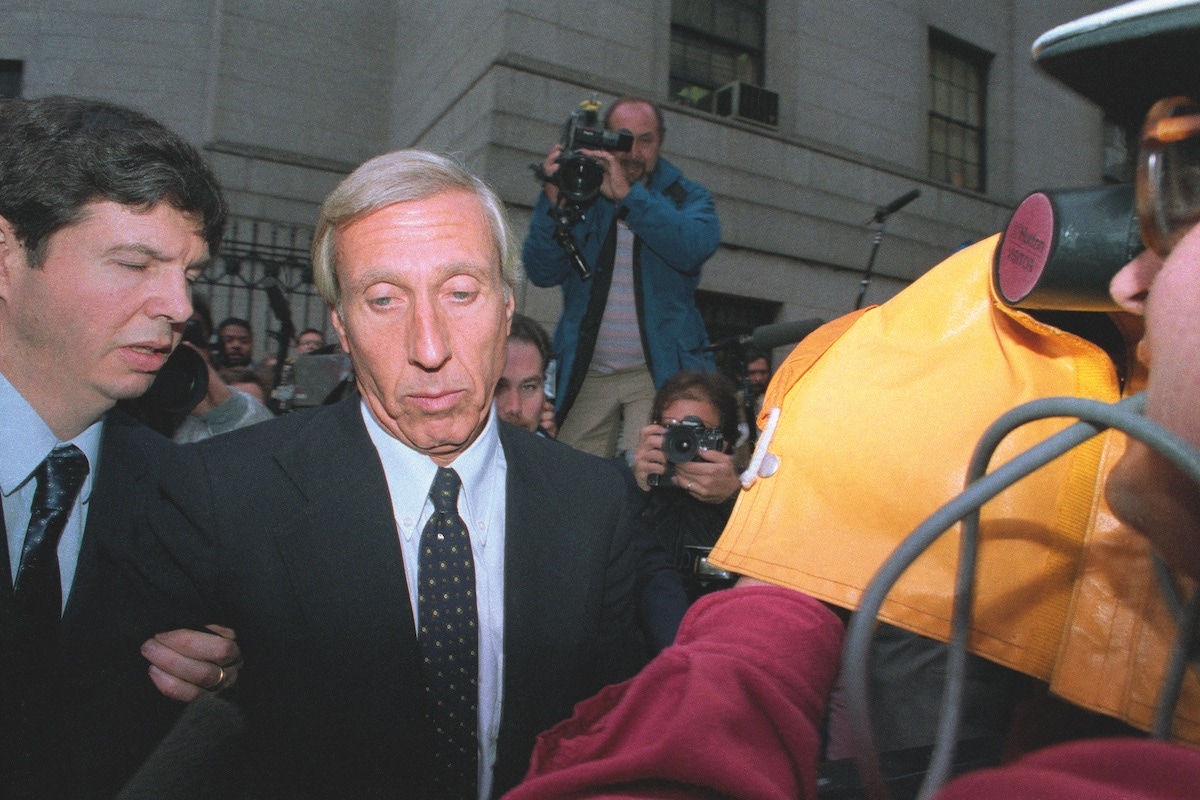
[579, 169]
[614, 185]
[686, 455]
[549, 169]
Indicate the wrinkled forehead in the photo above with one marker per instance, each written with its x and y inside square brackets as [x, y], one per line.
[446, 215]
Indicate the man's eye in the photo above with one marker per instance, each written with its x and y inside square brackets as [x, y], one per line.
[138, 266]
[531, 387]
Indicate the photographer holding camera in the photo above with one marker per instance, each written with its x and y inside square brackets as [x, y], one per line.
[683, 459]
[628, 261]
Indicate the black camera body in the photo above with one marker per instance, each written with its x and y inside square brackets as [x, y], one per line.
[579, 177]
[681, 444]
[179, 386]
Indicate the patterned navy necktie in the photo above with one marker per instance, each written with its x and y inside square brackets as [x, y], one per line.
[38, 589]
[449, 641]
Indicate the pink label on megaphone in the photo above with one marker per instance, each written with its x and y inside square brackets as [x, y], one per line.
[1026, 248]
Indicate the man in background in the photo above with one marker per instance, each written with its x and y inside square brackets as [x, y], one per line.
[521, 390]
[235, 343]
[758, 374]
[310, 340]
[634, 322]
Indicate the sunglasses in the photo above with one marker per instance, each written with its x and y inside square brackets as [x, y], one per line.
[1168, 174]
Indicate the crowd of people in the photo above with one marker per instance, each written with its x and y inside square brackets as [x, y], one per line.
[483, 570]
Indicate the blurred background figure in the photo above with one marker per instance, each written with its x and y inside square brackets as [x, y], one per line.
[752, 387]
[235, 343]
[245, 381]
[521, 391]
[683, 464]
[758, 375]
[309, 341]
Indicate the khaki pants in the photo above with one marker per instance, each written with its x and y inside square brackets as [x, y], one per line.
[610, 411]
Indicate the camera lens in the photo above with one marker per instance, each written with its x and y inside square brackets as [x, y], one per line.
[680, 444]
[579, 178]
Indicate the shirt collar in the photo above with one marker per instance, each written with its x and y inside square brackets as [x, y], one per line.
[408, 468]
[26, 440]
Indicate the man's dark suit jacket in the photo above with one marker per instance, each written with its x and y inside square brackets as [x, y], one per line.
[82, 714]
[285, 531]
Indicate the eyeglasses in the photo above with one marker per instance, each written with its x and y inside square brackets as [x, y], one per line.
[1168, 175]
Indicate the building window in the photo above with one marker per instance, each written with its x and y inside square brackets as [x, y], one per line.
[715, 42]
[10, 77]
[957, 112]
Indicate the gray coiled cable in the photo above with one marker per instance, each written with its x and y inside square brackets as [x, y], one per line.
[1095, 417]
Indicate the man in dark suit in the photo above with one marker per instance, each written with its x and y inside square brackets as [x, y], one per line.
[104, 217]
[379, 664]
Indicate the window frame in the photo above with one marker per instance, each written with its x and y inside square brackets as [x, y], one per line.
[959, 126]
[686, 32]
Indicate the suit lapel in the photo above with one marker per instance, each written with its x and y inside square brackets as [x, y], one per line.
[541, 567]
[341, 547]
[126, 460]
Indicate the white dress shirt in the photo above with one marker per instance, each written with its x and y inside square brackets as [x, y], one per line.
[25, 441]
[481, 504]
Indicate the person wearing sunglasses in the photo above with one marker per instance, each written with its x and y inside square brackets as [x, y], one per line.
[759, 660]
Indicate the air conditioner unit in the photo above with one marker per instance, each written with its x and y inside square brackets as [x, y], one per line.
[748, 102]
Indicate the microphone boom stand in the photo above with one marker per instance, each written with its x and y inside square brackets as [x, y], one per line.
[881, 216]
[748, 397]
[866, 278]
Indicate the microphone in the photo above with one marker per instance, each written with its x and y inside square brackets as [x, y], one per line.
[199, 759]
[768, 337]
[883, 212]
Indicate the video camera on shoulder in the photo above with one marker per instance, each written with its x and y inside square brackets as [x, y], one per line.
[579, 177]
[682, 442]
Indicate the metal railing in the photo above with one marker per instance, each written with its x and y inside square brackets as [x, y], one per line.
[258, 256]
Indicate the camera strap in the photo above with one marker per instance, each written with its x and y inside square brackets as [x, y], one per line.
[589, 326]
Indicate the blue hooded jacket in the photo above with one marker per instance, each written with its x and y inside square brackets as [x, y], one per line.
[675, 222]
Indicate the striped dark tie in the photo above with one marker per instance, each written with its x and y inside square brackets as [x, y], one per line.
[38, 590]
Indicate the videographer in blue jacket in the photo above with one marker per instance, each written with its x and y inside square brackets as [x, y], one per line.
[633, 323]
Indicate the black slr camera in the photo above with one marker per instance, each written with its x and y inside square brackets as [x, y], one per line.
[579, 177]
[681, 442]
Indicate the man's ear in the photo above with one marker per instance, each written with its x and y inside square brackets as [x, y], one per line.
[339, 327]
